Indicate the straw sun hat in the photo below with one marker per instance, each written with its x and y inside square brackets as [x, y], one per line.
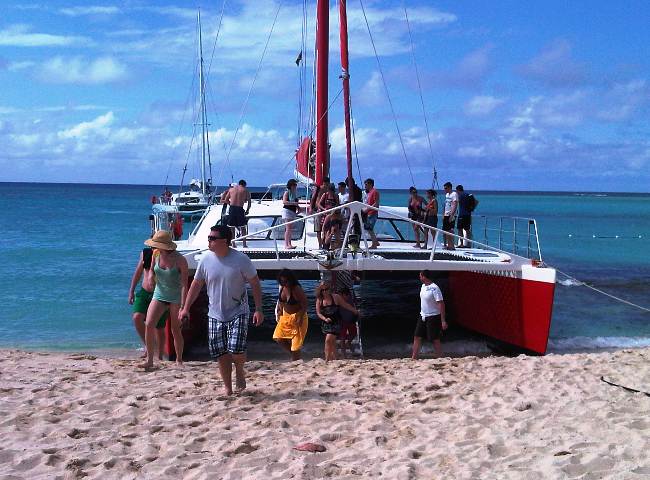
[162, 240]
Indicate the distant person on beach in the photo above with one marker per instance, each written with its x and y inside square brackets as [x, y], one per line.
[143, 297]
[432, 320]
[449, 216]
[170, 269]
[290, 209]
[291, 314]
[328, 305]
[467, 203]
[236, 197]
[225, 272]
[370, 214]
[416, 212]
[430, 217]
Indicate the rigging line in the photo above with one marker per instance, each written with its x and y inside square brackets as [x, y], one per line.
[250, 91]
[390, 102]
[313, 129]
[354, 143]
[214, 46]
[211, 99]
[424, 113]
[603, 292]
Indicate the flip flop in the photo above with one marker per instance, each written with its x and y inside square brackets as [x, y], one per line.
[310, 447]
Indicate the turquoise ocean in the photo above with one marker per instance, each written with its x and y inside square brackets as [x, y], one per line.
[69, 251]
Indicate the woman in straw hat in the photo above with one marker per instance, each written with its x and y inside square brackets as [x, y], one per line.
[170, 268]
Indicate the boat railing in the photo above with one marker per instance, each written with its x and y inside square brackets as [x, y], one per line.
[354, 237]
[518, 235]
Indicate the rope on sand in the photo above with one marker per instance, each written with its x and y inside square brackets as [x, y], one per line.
[629, 389]
[618, 299]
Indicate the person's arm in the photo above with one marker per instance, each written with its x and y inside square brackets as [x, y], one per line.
[285, 198]
[182, 266]
[192, 294]
[225, 197]
[258, 316]
[249, 199]
[320, 315]
[443, 320]
[302, 299]
[135, 279]
[338, 299]
[278, 308]
[454, 207]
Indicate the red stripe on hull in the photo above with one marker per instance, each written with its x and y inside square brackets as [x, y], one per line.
[511, 310]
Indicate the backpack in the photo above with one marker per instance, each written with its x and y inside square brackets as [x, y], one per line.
[471, 202]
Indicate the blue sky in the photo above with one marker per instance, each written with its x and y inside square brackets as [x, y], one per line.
[519, 95]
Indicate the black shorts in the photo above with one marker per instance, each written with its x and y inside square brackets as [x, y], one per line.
[431, 220]
[429, 328]
[448, 223]
[236, 216]
[464, 222]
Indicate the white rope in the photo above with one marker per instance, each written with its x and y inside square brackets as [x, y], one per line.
[614, 297]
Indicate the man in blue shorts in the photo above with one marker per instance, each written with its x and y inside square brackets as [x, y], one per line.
[225, 271]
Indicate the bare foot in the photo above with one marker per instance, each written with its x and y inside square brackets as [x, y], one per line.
[147, 367]
[290, 247]
[240, 384]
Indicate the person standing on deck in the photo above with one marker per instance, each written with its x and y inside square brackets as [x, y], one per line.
[430, 217]
[328, 200]
[371, 214]
[432, 320]
[170, 269]
[142, 299]
[290, 208]
[236, 197]
[225, 272]
[466, 205]
[449, 216]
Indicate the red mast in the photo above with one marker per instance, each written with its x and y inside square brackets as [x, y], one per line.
[345, 77]
[322, 54]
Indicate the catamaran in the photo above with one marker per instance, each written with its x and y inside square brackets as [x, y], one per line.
[497, 285]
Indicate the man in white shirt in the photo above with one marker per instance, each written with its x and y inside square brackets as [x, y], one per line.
[449, 216]
[225, 272]
[432, 320]
[344, 197]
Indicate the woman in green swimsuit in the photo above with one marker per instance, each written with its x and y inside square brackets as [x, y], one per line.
[170, 268]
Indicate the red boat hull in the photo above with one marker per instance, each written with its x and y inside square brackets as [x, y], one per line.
[516, 311]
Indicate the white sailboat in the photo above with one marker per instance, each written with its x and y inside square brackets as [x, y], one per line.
[193, 201]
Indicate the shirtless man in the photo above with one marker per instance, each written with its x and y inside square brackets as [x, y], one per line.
[142, 299]
[236, 196]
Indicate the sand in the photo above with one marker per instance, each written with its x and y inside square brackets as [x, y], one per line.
[75, 415]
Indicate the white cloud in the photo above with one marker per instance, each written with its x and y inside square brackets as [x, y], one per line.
[89, 10]
[20, 36]
[471, 152]
[624, 100]
[81, 71]
[482, 105]
[17, 66]
[98, 126]
[372, 92]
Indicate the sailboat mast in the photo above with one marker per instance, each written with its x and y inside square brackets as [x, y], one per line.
[345, 77]
[204, 117]
[322, 56]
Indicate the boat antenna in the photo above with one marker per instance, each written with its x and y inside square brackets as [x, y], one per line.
[390, 102]
[434, 182]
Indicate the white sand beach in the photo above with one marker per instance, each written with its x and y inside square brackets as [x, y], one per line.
[74, 415]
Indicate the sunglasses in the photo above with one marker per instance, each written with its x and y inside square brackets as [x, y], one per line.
[212, 238]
